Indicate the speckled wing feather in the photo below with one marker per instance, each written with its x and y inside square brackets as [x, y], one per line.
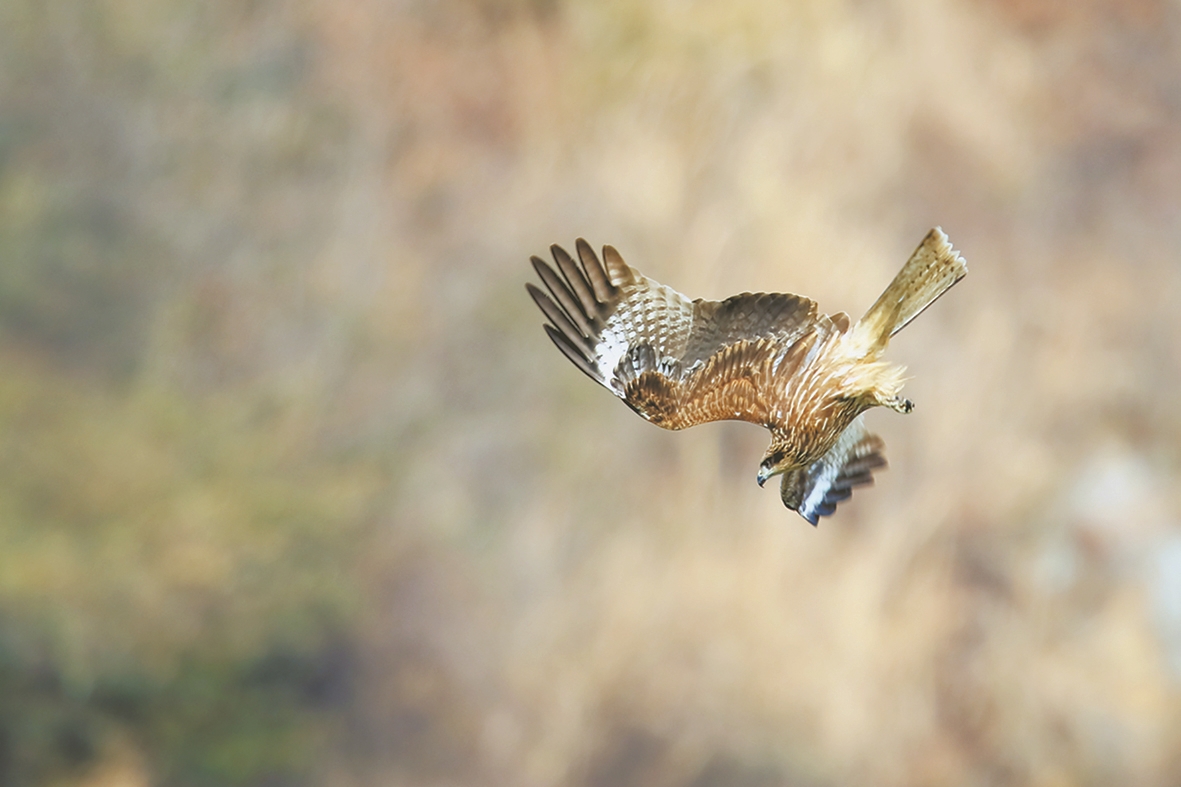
[676, 362]
[815, 492]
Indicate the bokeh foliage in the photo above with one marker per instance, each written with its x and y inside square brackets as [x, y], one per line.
[175, 544]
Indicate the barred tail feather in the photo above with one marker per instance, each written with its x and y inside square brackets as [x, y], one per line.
[931, 271]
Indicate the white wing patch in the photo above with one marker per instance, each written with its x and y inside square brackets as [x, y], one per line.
[608, 353]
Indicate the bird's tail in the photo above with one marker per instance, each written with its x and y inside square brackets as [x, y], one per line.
[931, 271]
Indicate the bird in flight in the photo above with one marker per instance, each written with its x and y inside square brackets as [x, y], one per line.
[766, 358]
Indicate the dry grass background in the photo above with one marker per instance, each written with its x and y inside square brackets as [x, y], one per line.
[294, 489]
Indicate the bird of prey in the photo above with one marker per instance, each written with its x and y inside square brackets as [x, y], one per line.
[766, 358]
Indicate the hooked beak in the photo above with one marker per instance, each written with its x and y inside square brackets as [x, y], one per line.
[764, 474]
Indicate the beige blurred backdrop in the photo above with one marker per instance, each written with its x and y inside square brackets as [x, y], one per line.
[295, 491]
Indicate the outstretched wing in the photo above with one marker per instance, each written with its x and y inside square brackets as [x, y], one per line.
[675, 361]
[815, 492]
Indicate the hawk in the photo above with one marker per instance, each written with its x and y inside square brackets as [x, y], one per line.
[766, 358]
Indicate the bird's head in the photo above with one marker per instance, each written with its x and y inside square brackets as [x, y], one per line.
[777, 460]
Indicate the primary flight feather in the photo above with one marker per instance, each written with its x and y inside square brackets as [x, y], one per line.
[768, 358]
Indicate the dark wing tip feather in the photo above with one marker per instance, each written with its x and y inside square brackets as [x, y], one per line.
[580, 298]
[856, 469]
[595, 273]
[577, 280]
[618, 271]
[576, 310]
[560, 321]
[572, 352]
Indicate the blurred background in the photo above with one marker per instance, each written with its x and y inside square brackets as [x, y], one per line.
[295, 491]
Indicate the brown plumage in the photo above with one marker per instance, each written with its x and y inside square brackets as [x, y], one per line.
[767, 358]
